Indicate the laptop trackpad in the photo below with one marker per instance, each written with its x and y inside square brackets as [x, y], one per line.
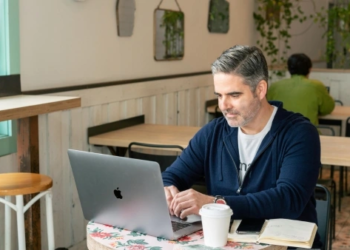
[189, 219]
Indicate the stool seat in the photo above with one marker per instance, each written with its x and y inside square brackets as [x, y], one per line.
[23, 183]
[19, 184]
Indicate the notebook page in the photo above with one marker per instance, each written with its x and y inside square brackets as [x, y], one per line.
[288, 230]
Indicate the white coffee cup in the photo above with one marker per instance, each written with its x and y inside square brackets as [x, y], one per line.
[215, 221]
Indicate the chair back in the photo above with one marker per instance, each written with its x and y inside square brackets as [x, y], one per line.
[323, 207]
[165, 155]
[338, 102]
[326, 130]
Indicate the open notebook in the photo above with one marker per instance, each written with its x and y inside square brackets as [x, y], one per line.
[282, 232]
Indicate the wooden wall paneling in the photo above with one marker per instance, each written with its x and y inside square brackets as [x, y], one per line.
[191, 107]
[182, 108]
[55, 165]
[105, 119]
[160, 109]
[148, 109]
[200, 100]
[85, 115]
[96, 119]
[65, 178]
[128, 109]
[139, 108]
[113, 111]
[209, 96]
[137, 90]
[171, 108]
[77, 224]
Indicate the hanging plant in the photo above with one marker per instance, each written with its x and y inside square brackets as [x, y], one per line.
[273, 20]
[173, 22]
[336, 21]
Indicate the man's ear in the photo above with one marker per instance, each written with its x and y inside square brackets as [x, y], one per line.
[261, 89]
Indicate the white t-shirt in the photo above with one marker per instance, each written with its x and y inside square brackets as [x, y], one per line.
[248, 145]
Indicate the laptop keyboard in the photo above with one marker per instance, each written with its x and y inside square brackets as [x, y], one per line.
[177, 225]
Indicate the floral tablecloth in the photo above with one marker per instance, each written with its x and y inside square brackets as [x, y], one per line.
[107, 237]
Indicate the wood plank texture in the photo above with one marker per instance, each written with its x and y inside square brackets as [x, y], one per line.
[20, 106]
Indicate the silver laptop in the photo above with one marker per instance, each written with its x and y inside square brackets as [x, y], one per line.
[126, 193]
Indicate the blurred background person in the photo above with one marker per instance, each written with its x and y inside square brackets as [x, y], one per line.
[300, 94]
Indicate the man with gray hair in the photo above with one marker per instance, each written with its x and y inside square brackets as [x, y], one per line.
[260, 159]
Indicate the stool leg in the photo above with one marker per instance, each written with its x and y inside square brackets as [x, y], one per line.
[49, 221]
[20, 223]
[7, 224]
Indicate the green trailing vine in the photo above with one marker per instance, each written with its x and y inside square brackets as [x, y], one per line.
[336, 21]
[273, 20]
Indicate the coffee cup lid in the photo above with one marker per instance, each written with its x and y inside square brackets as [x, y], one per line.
[215, 210]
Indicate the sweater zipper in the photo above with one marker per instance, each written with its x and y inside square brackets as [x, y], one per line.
[239, 181]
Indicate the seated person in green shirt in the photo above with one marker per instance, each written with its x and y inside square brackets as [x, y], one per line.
[301, 94]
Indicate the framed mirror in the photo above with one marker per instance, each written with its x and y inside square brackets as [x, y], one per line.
[125, 17]
[219, 16]
[168, 34]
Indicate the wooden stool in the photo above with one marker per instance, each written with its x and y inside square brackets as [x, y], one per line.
[19, 184]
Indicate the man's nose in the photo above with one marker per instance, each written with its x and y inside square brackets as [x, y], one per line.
[224, 103]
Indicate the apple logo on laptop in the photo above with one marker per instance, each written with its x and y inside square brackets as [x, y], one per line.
[118, 193]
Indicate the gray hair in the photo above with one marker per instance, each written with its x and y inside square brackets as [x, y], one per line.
[246, 61]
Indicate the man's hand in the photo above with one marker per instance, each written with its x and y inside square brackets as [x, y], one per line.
[188, 202]
[170, 193]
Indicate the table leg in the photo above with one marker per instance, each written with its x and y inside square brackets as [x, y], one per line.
[118, 151]
[28, 161]
[341, 190]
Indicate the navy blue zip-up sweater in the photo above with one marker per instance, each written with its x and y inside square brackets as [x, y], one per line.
[279, 183]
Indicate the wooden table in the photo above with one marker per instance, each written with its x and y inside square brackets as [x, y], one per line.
[146, 133]
[26, 109]
[102, 237]
[335, 150]
[138, 131]
[338, 117]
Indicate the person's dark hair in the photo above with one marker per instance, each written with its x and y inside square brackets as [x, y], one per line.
[299, 64]
[246, 61]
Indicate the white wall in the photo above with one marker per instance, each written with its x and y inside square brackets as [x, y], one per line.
[66, 42]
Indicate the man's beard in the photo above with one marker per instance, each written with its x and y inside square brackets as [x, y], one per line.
[254, 109]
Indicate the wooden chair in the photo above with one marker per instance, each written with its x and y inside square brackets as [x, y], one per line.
[19, 184]
[165, 155]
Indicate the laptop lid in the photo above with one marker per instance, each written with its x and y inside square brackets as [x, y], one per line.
[124, 192]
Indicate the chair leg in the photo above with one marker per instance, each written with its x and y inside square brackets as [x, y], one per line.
[346, 180]
[332, 171]
[7, 224]
[334, 213]
[49, 221]
[20, 223]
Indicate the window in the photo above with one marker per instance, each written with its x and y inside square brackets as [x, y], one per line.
[9, 64]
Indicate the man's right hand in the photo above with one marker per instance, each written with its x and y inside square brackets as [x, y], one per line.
[170, 192]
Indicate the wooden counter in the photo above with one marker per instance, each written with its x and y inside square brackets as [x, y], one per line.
[21, 106]
[25, 109]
